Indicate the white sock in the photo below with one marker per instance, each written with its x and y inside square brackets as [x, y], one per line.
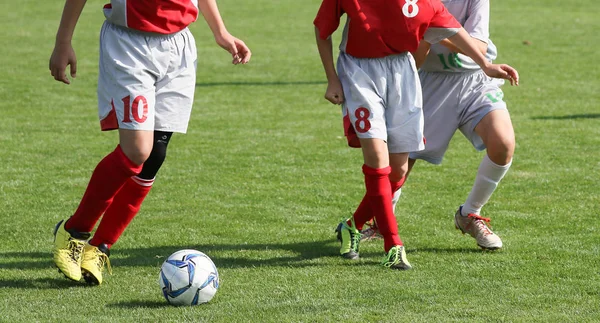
[488, 176]
[395, 199]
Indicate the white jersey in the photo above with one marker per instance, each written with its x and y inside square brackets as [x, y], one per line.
[474, 15]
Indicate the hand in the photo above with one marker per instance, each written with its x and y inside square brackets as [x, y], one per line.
[62, 56]
[335, 93]
[503, 71]
[238, 49]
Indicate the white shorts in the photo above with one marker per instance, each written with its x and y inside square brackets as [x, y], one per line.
[454, 101]
[382, 100]
[146, 81]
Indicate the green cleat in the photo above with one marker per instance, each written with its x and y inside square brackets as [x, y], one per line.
[92, 266]
[396, 259]
[350, 239]
[67, 252]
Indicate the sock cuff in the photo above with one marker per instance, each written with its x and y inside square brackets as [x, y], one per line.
[488, 161]
[129, 166]
[397, 185]
[385, 171]
[142, 182]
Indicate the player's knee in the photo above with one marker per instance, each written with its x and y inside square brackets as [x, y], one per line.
[157, 155]
[501, 151]
[398, 173]
[137, 155]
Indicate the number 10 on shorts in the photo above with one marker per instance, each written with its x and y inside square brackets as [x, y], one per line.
[138, 109]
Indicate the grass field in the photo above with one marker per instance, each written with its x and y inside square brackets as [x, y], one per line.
[263, 177]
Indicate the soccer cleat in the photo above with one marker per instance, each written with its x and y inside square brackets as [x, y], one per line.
[371, 232]
[67, 252]
[396, 259]
[476, 226]
[92, 266]
[349, 238]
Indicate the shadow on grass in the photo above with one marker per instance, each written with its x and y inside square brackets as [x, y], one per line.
[449, 250]
[298, 255]
[569, 116]
[239, 255]
[41, 283]
[301, 254]
[140, 304]
[224, 255]
[274, 83]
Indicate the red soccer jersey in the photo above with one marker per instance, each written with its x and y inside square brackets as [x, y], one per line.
[378, 28]
[157, 16]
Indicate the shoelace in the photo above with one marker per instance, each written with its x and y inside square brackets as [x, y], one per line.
[480, 222]
[103, 259]
[354, 239]
[391, 257]
[76, 248]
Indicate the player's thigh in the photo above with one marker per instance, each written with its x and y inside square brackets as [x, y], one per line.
[375, 152]
[404, 103]
[441, 115]
[485, 118]
[126, 93]
[175, 92]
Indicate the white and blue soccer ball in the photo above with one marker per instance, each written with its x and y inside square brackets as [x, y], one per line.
[188, 277]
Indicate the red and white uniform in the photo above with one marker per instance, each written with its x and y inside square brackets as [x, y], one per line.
[378, 28]
[382, 91]
[147, 65]
[157, 16]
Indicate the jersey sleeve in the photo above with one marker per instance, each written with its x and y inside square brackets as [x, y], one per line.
[442, 24]
[478, 21]
[328, 17]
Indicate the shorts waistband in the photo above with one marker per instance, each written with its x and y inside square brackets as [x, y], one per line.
[143, 33]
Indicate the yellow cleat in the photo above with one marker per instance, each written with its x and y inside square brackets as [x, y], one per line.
[68, 251]
[93, 262]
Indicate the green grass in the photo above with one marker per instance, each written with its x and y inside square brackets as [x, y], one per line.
[263, 177]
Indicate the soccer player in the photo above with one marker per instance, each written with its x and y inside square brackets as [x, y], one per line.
[146, 88]
[377, 84]
[458, 95]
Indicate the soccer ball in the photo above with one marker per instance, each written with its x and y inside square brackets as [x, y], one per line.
[188, 277]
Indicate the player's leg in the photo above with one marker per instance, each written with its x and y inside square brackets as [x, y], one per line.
[174, 96]
[371, 230]
[364, 116]
[404, 124]
[126, 102]
[129, 199]
[122, 210]
[493, 131]
[497, 133]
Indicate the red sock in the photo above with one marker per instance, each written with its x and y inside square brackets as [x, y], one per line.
[121, 211]
[108, 177]
[364, 214]
[379, 193]
[397, 185]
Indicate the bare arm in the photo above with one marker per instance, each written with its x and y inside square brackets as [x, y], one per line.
[238, 49]
[63, 53]
[481, 45]
[334, 93]
[468, 46]
[421, 54]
